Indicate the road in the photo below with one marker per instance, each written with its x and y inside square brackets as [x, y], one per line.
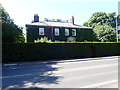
[99, 73]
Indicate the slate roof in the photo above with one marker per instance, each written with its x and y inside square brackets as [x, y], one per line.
[58, 24]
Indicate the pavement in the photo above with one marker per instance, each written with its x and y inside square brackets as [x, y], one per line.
[54, 61]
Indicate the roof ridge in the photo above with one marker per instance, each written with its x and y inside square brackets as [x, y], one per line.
[59, 24]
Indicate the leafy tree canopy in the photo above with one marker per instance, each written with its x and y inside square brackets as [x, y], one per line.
[104, 33]
[10, 31]
[101, 18]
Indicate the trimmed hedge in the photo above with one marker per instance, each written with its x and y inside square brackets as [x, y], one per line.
[47, 51]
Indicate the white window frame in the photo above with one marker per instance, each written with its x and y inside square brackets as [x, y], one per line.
[41, 31]
[73, 32]
[57, 31]
[66, 32]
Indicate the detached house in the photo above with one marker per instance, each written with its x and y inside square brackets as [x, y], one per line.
[58, 30]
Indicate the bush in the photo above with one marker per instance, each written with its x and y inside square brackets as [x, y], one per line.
[42, 40]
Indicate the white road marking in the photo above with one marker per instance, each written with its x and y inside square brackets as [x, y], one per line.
[20, 75]
[10, 64]
[101, 84]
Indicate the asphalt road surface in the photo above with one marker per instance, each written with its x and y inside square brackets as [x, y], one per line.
[99, 73]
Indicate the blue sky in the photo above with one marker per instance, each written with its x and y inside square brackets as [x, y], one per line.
[22, 11]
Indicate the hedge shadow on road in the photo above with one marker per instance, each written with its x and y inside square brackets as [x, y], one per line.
[29, 76]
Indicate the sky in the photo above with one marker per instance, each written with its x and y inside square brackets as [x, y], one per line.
[22, 11]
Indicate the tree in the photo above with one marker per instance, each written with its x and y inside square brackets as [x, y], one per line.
[104, 25]
[101, 18]
[104, 33]
[10, 31]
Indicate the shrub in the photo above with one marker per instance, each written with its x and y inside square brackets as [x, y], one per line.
[42, 40]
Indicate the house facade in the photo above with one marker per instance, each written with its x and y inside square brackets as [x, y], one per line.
[58, 30]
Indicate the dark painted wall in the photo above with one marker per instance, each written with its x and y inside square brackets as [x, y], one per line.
[81, 34]
[33, 33]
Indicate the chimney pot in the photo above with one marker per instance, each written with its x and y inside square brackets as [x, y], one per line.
[36, 18]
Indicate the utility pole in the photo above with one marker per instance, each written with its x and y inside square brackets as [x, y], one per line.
[116, 29]
[117, 22]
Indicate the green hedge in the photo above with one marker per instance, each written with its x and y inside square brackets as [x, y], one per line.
[49, 51]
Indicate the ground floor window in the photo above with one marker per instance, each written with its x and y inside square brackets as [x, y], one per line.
[73, 32]
[41, 31]
[57, 33]
[66, 32]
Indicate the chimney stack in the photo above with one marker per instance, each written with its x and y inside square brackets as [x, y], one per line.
[36, 18]
[72, 20]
